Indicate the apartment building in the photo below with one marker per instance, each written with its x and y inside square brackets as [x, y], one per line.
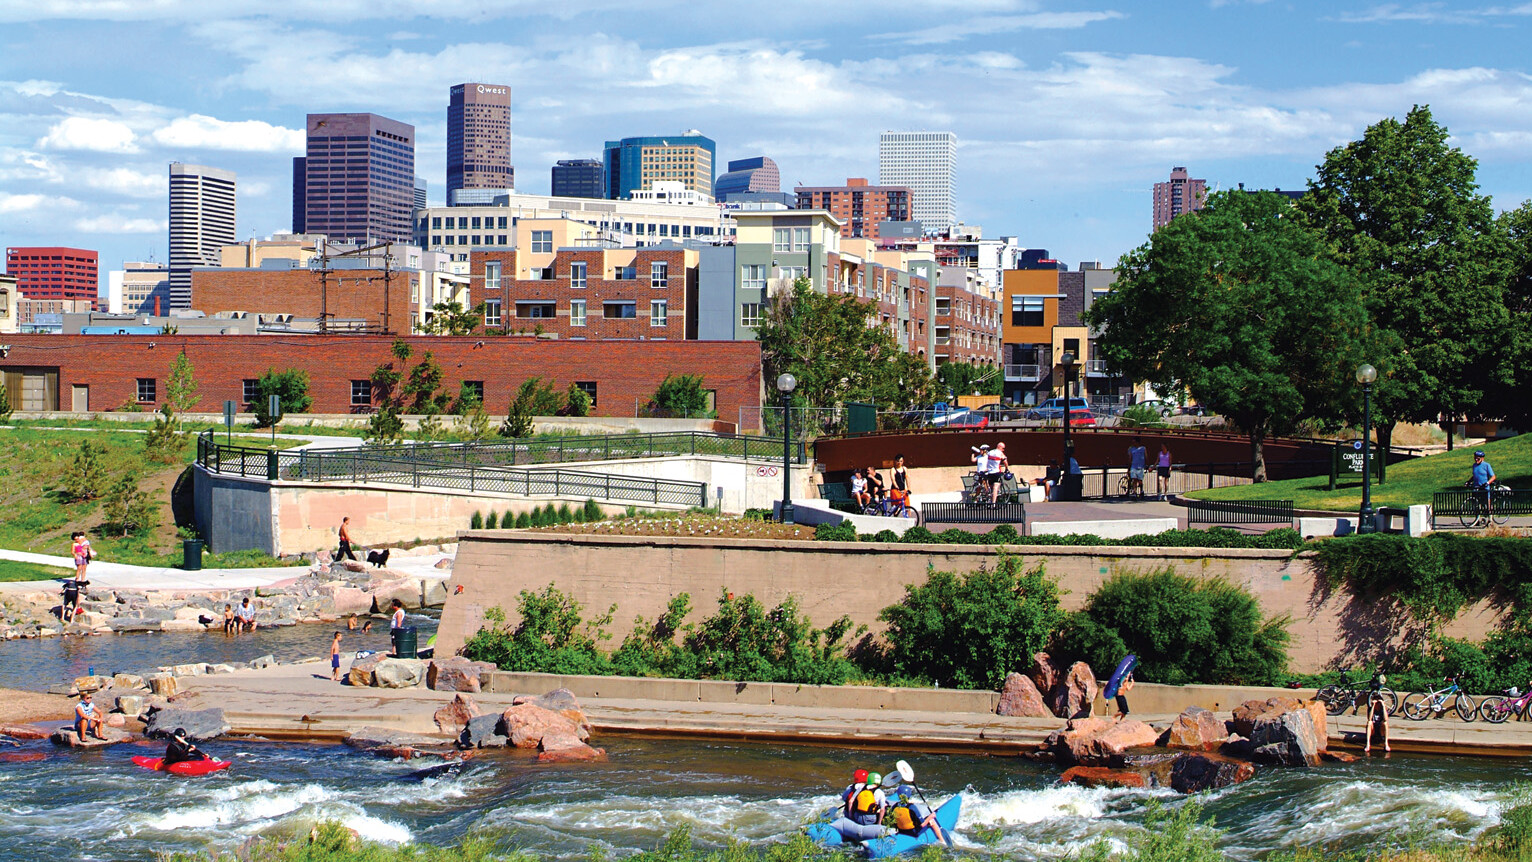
[1178, 195]
[860, 207]
[1043, 309]
[625, 223]
[966, 317]
[54, 272]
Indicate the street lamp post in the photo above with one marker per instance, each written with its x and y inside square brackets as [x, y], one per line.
[1365, 521]
[1068, 361]
[786, 383]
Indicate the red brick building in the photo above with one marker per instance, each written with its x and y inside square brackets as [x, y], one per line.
[967, 320]
[54, 272]
[92, 372]
[382, 299]
[594, 294]
[858, 206]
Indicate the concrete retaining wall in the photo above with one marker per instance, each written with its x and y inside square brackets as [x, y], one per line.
[639, 575]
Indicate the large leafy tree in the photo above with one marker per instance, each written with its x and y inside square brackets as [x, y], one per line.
[1401, 209]
[1508, 399]
[1238, 305]
[836, 353]
[963, 378]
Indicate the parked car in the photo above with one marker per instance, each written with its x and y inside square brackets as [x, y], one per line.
[1002, 412]
[1053, 408]
[1079, 416]
[1193, 410]
[1164, 408]
[968, 419]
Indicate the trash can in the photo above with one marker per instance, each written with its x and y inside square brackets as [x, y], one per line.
[1071, 488]
[191, 555]
[404, 642]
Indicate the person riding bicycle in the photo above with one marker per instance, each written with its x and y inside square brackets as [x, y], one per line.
[995, 470]
[1482, 477]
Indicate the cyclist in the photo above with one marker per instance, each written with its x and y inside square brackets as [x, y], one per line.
[1482, 478]
[998, 466]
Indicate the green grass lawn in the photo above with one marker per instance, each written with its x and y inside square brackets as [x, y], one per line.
[10, 570]
[1408, 482]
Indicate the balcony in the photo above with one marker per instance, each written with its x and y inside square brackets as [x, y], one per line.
[1097, 368]
[1031, 373]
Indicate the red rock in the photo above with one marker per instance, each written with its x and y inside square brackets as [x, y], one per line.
[1020, 697]
[1045, 672]
[1100, 776]
[566, 747]
[22, 757]
[562, 701]
[1196, 729]
[1251, 711]
[1321, 722]
[363, 669]
[1074, 696]
[116, 719]
[1194, 772]
[402, 752]
[453, 674]
[1338, 756]
[526, 724]
[1095, 741]
[452, 718]
[22, 731]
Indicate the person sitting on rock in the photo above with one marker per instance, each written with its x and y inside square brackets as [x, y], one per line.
[245, 615]
[182, 750]
[87, 719]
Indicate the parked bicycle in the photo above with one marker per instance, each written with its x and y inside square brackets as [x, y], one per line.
[1352, 694]
[888, 508]
[1434, 704]
[1497, 709]
[1482, 507]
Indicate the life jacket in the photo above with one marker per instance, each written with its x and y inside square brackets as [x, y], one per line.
[903, 819]
[863, 806]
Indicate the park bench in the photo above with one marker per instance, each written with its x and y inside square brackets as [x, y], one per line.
[964, 513]
[839, 497]
[1239, 512]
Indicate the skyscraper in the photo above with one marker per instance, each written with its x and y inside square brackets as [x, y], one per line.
[758, 174]
[54, 273]
[637, 163]
[1180, 194]
[359, 178]
[201, 222]
[925, 163]
[479, 139]
[419, 200]
[300, 209]
[579, 178]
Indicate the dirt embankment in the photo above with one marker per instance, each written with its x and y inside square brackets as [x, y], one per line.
[23, 707]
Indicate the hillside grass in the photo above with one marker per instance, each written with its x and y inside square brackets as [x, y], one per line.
[1407, 483]
[11, 571]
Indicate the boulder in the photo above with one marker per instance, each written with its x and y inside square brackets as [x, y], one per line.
[1288, 739]
[128, 681]
[347, 600]
[116, 719]
[444, 563]
[1045, 672]
[406, 590]
[131, 705]
[433, 592]
[567, 747]
[362, 669]
[1316, 710]
[200, 724]
[264, 661]
[1338, 756]
[453, 674]
[353, 565]
[562, 701]
[1074, 696]
[126, 625]
[220, 668]
[1248, 713]
[1196, 729]
[195, 669]
[399, 673]
[163, 684]
[182, 626]
[1101, 776]
[67, 738]
[92, 683]
[527, 723]
[382, 739]
[484, 731]
[1195, 772]
[22, 731]
[458, 711]
[1020, 697]
[1096, 741]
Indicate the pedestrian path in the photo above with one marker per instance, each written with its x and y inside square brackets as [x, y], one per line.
[121, 576]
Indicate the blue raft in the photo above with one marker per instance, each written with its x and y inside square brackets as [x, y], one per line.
[889, 845]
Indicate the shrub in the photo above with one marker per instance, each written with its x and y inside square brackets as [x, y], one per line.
[564, 515]
[523, 521]
[842, 532]
[576, 402]
[1433, 576]
[593, 512]
[5, 401]
[128, 507]
[492, 521]
[1182, 629]
[85, 477]
[477, 521]
[551, 637]
[291, 388]
[969, 631]
[681, 395]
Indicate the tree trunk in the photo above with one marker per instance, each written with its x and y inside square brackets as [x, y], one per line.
[1258, 455]
[1384, 432]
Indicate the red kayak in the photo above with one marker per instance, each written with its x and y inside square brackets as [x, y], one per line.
[186, 767]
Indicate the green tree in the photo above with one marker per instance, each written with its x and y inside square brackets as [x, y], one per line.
[422, 389]
[826, 343]
[1507, 397]
[451, 318]
[964, 378]
[128, 506]
[680, 395]
[576, 401]
[386, 427]
[85, 476]
[5, 401]
[1238, 305]
[181, 385]
[1401, 209]
[291, 386]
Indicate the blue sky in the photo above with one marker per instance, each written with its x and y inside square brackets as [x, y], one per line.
[1066, 113]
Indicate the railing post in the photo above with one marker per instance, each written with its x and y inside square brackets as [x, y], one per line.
[271, 465]
[472, 479]
[415, 472]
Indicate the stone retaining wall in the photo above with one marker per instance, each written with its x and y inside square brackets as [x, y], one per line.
[641, 574]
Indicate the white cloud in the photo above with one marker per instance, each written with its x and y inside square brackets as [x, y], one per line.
[21, 203]
[123, 181]
[990, 24]
[120, 223]
[88, 133]
[198, 131]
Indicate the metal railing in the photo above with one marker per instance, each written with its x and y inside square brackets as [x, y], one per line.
[1446, 505]
[1023, 372]
[389, 465]
[1239, 512]
[1097, 368]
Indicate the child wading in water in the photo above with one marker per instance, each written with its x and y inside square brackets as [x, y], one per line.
[1377, 716]
[335, 658]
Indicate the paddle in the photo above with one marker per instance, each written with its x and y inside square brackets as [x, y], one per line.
[907, 774]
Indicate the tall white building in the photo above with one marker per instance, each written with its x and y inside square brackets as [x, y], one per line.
[201, 223]
[140, 287]
[924, 162]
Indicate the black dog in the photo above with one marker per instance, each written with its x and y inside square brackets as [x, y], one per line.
[378, 558]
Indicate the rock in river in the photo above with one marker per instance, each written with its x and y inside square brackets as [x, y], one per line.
[1019, 697]
[200, 724]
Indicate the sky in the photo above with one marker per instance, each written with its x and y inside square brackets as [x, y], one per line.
[1066, 113]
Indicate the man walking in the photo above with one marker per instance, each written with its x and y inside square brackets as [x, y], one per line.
[345, 541]
[1136, 459]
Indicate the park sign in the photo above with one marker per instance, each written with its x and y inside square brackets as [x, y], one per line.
[1348, 458]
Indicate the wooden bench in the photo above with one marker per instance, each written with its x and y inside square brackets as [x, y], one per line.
[839, 498]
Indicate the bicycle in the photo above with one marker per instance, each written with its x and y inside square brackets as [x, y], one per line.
[1496, 710]
[1350, 694]
[977, 490]
[887, 508]
[1433, 704]
[1480, 508]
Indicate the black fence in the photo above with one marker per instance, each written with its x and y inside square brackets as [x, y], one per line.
[965, 513]
[1239, 512]
[1463, 507]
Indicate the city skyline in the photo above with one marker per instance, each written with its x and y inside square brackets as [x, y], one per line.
[1065, 117]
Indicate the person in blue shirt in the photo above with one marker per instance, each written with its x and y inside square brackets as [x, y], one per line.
[1137, 455]
[1482, 478]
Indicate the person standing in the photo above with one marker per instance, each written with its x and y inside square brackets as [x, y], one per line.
[396, 624]
[1137, 456]
[335, 658]
[1482, 478]
[1122, 696]
[998, 465]
[345, 541]
[1162, 472]
[900, 492]
[229, 625]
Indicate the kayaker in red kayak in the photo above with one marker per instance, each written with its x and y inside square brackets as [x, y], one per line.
[182, 750]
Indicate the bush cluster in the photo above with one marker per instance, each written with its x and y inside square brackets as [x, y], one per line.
[541, 516]
[1433, 576]
[1005, 534]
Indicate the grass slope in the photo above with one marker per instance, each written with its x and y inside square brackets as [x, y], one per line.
[10, 570]
[1409, 482]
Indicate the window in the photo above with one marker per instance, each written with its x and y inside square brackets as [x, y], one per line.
[619, 310]
[361, 393]
[252, 390]
[491, 312]
[540, 273]
[1026, 311]
[782, 239]
[800, 239]
[474, 388]
[476, 240]
[146, 392]
[753, 276]
[436, 223]
[659, 312]
[475, 222]
[577, 274]
[750, 314]
[502, 227]
[492, 275]
[540, 310]
[589, 388]
[542, 241]
[576, 312]
[793, 273]
[626, 273]
[659, 273]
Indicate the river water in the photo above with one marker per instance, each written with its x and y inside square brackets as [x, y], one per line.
[98, 805]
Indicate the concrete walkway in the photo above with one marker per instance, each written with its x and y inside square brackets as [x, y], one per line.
[120, 576]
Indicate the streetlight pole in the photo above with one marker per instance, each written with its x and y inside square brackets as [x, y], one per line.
[786, 383]
[1365, 521]
[1068, 361]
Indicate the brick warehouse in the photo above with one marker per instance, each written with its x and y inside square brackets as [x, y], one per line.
[94, 372]
[379, 298]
